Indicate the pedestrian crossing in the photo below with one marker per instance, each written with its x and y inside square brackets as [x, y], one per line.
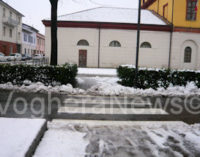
[106, 107]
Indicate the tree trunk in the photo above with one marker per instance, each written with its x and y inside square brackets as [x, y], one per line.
[54, 41]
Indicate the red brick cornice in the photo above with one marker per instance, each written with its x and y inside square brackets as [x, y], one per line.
[185, 29]
[166, 28]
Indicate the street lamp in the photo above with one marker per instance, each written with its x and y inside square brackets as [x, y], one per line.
[138, 42]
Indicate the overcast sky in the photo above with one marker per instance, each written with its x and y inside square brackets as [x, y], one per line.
[36, 10]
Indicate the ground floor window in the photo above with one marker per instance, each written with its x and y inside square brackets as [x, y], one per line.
[188, 55]
[115, 43]
[145, 45]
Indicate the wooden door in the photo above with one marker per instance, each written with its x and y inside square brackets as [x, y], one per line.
[82, 58]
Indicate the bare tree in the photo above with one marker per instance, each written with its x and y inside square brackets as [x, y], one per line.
[54, 41]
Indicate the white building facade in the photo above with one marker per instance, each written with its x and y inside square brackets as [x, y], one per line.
[106, 37]
[29, 40]
[10, 29]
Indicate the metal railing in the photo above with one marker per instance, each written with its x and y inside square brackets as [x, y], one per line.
[35, 62]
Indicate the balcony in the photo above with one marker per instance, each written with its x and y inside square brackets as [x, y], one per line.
[10, 22]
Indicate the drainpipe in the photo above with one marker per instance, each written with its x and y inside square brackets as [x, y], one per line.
[158, 6]
[171, 37]
[99, 46]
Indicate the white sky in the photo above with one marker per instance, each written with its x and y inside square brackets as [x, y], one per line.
[36, 10]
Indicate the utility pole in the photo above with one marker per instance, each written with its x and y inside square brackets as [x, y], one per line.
[138, 42]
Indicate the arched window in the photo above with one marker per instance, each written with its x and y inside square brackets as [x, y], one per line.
[188, 55]
[115, 43]
[145, 45]
[83, 43]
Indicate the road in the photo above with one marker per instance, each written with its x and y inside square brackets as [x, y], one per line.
[33, 105]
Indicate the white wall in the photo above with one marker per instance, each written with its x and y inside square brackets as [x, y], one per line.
[180, 41]
[15, 30]
[68, 50]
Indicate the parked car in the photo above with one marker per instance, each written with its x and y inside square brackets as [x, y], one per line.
[26, 57]
[14, 57]
[38, 56]
[2, 57]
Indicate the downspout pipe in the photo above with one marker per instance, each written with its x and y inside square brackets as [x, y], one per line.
[171, 36]
[99, 46]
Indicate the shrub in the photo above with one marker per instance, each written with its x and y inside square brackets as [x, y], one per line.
[48, 75]
[154, 78]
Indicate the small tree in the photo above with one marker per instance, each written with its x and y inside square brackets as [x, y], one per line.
[54, 41]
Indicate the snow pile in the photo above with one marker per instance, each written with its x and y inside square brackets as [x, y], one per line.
[40, 87]
[106, 86]
[127, 139]
[17, 135]
[111, 89]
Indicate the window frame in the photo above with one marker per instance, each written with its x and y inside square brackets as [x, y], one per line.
[10, 33]
[115, 43]
[4, 31]
[186, 60]
[146, 42]
[187, 5]
[81, 44]
[4, 12]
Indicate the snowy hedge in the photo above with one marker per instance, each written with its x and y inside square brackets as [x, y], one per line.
[154, 78]
[49, 75]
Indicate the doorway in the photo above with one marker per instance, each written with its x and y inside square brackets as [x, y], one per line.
[82, 58]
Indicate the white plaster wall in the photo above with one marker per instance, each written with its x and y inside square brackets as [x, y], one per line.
[180, 41]
[157, 56]
[15, 30]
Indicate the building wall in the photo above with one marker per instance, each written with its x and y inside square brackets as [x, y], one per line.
[179, 18]
[180, 41]
[29, 40]
[180, 15]
[10, 42]
[68, 51]
[40, 48]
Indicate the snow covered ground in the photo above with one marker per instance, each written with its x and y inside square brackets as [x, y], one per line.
[106, 86]
[115, 139]
[17, 135]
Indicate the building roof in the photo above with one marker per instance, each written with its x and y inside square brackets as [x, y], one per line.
[26, 27]
[7, 5]
[113, 15]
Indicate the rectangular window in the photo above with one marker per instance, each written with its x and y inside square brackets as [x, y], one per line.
[190, 10]
[19, 35]
[10, 14]
[4, 12]
[25, 37]
[4, 31]
[10, 33]
[30, 39]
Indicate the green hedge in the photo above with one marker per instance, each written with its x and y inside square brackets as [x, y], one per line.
[148, 78]
[48, 75]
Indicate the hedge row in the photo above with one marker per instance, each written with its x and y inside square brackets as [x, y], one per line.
[49, 75]
[156, 78]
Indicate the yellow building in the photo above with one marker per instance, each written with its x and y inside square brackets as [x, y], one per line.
[181, 13]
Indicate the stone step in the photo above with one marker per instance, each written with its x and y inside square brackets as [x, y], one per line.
[107, 103]
[112, 111]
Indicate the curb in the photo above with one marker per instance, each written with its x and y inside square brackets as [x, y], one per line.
[36, 141]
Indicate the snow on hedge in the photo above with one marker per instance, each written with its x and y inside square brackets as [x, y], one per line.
[17, 135]
[104, 86]
[104, 139]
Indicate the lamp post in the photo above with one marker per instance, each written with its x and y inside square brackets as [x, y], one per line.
[138, 42]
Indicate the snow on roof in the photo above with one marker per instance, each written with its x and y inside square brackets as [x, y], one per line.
[113, 15]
